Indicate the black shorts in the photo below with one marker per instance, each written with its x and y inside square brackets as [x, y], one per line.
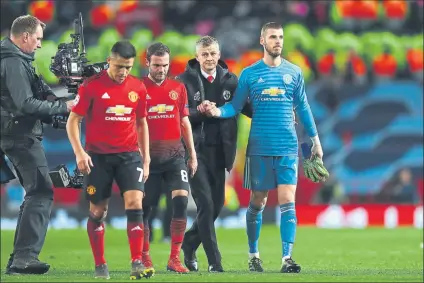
[125, 168]
[172, 174]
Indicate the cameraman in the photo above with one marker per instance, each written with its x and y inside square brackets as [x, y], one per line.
[22, 109]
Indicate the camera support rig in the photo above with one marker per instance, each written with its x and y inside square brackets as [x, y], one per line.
[68, 64]
[72, 68]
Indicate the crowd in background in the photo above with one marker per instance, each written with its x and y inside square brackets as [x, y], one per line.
[334, 42]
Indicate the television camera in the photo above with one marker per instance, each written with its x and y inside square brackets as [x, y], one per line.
[72, 68]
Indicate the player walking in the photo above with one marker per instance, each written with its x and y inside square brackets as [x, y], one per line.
[113, 103]
[274, 87]
[168, 121]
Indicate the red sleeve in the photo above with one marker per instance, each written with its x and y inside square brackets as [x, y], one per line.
[82, 101]
[183, 102]
[141, 110]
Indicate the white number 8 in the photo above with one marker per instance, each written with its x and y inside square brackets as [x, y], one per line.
[184, 176]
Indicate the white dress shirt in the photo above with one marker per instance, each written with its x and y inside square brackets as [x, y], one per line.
[206, 75]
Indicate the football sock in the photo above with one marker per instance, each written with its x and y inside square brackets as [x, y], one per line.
[253, 228]
[146, 244]
[96, 233]
[135, 232]
[178, 224]
[288, 224]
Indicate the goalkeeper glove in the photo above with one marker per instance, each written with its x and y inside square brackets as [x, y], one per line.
[313, 167]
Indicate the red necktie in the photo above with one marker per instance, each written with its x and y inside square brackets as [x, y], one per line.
[210, 79]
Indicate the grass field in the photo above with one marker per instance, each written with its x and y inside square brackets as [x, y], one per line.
[370, 255]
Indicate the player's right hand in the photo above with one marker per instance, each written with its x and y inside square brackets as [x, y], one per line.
[84, 163]
[70, 104]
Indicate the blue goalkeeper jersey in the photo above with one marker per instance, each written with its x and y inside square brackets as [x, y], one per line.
[273, 93]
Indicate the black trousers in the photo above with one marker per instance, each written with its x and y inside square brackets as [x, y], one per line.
[208, 190]
[28, 157]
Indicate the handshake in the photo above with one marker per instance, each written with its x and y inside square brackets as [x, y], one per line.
[209, 109]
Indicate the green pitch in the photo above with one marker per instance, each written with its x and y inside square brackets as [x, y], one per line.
[369, 255]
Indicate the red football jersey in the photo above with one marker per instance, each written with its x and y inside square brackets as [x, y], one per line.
[166, 105]
[110, 112]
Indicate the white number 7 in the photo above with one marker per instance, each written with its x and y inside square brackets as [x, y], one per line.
[140, 179]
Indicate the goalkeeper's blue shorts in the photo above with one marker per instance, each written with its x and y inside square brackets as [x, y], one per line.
[263, 173]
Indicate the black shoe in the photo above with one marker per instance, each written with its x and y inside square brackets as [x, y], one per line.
[28, 266]
[290, 266]
[190, 259]
[216, 268]
[255, 264]
[9, 263]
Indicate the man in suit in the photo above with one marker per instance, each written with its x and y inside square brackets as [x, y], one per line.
[208, 80]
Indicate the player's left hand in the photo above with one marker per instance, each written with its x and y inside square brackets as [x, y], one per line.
[315, 170]
[309, 171]
[316, 150]
[320, 169]
[146, 171]
[192, 165]
[313, 165]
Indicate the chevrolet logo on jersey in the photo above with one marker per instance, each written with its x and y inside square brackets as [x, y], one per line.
[161, 108]
[274, 91]
[119, 110]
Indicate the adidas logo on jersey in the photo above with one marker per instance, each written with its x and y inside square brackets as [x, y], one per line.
[261, 80]
[148, 96]
[105, 96]
[137, 228]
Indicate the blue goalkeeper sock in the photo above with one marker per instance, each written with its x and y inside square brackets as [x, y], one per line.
[288, 222]
[253, 227]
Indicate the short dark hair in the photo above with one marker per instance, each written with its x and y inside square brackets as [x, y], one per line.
[270, 25]
[27, 24]
[157, 49]
[125, 49]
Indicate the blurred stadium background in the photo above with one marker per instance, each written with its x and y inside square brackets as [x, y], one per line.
[363, 63]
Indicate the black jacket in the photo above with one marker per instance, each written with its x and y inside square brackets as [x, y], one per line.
[196, 94]
[21, 107]
[6, 175]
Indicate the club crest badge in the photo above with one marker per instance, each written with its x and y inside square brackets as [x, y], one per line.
[287, 78]
[133, 96]
[226, 95]
[173, 95]
[91, 190]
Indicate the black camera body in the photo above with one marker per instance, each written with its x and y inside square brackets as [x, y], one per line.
[72, 68]
[61, 177]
